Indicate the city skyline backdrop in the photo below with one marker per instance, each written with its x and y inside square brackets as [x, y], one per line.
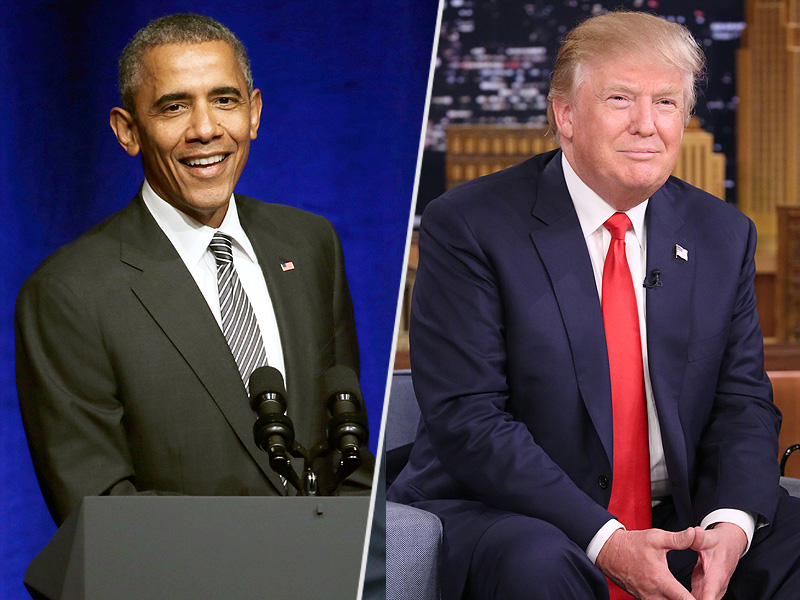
[495, 58]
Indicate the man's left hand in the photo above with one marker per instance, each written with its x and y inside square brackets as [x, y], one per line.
[719, 550]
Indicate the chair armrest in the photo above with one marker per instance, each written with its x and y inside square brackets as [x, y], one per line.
[413, 549]
[791, 485]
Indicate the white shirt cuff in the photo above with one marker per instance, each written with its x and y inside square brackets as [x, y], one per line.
[601, 537]
[742, 518]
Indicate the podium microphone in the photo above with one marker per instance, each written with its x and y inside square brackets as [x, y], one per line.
[273, 431]
[348, 429]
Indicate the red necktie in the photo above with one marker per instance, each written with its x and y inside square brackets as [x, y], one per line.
[630, 491]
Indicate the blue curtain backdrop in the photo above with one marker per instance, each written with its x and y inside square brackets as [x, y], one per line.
[344, 87]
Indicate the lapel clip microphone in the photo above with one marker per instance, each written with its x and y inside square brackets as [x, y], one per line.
[652, 280]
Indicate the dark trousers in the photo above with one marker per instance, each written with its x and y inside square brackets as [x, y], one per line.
[522, 557]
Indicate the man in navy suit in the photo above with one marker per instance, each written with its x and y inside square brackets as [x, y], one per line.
[519, 451]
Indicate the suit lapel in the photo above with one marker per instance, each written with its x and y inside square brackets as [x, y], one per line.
[170, 295]
[274, 247]
[562, 248]
[285, 287]
[668, 307]
[559, 241]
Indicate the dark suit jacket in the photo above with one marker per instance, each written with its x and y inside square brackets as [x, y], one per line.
[511, 370]
[126, 382]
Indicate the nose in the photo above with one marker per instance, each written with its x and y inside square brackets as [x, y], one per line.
[643, 117]
[203, 126]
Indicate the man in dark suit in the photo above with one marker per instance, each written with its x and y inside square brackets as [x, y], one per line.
[587, 356]
[132, 364]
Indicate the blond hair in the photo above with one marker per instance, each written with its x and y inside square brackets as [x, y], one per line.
[616, 34]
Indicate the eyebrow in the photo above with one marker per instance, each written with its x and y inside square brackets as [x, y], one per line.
[178, 96]
[173, 97]
[668, 91]
[227, 89]
[620, 87]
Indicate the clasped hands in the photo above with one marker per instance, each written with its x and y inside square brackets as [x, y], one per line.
[637, 561]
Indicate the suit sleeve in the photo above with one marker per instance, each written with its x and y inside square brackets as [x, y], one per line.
[459, 360]
[737, 463]
[68, 398]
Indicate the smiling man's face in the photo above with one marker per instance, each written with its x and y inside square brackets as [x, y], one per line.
[623, 129]
[193, 125]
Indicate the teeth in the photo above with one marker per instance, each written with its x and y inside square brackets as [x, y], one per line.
[193, 162]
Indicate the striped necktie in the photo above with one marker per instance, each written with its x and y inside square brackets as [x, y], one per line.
[238, 319]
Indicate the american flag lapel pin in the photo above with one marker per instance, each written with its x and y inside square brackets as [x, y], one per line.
[681, 252]
[287, 266]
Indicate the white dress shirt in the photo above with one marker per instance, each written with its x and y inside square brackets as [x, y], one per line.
[592, 212]
[191, 239]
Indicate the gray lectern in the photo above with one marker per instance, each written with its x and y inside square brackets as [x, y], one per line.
[204, 548]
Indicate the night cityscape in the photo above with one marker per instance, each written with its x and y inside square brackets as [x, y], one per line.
[495, 58]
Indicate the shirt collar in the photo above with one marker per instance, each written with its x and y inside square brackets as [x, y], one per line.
[593, 211]
[190, 237]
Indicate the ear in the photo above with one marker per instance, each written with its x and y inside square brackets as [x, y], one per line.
[124, 125]
[563, 116]
[255, 113]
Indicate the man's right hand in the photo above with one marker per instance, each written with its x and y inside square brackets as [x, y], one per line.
[637, 562]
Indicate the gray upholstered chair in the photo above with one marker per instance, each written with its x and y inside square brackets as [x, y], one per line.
[413, 536]
[791, 485]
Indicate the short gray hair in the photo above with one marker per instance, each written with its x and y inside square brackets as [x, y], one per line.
[185, 28]
[625, 33]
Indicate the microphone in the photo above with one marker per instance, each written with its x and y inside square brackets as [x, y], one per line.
[652, 280]
[273, 431]
[348, 428]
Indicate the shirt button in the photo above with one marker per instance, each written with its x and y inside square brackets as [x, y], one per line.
[602, 481]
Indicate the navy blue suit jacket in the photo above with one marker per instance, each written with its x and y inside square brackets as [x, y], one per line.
[510, 364]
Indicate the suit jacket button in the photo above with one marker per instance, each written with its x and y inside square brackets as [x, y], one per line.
[602, 481]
